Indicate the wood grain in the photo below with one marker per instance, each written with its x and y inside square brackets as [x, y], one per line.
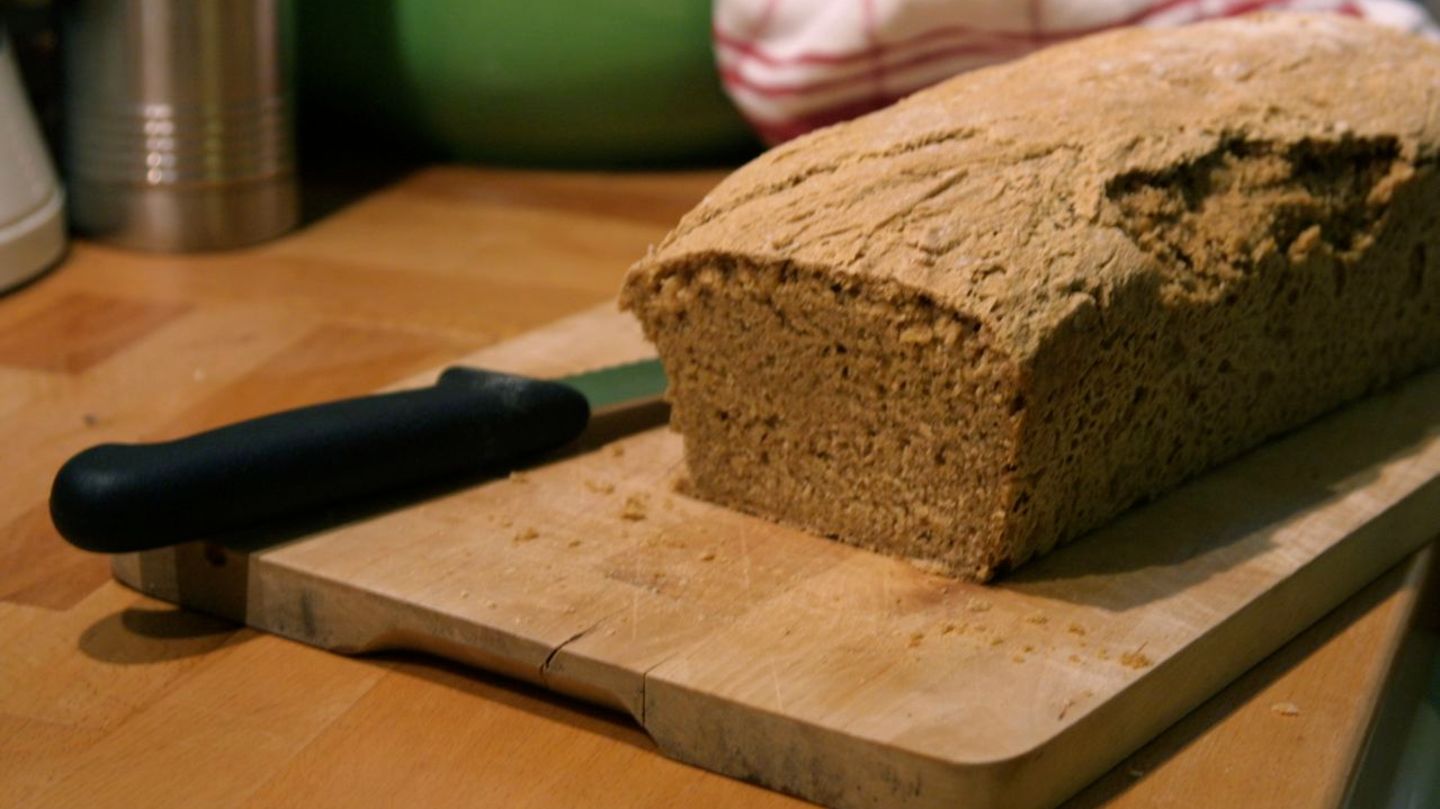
[77, 331]
[820, 670]
[85, 674]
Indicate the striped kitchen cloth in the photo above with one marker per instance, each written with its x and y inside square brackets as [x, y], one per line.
[795, 65]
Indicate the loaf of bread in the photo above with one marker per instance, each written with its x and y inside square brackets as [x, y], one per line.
[991, 317]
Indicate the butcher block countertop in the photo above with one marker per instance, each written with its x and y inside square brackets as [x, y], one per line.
[109, 698]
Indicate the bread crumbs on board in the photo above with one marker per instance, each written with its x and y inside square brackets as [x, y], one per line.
[1285, 709]
[525, 535]
[929, 566]
[635, 509]
[1136, 659]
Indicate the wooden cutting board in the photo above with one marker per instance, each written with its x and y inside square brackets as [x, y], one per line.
[827, 672]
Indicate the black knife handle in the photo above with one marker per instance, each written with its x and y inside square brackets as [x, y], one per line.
[115, 498]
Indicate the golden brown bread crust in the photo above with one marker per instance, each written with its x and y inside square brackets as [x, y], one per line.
[1109, 266]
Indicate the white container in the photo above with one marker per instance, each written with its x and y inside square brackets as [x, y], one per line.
[32, 216]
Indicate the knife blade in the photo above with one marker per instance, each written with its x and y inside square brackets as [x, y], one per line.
[117, 498]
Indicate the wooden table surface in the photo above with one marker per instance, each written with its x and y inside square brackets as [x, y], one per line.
[108, 698]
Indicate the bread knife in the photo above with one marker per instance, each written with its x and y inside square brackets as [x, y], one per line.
[117, 498]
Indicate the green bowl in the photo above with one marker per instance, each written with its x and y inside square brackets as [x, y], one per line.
[547, 82]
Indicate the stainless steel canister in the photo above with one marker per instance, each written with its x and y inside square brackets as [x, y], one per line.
[179, 131]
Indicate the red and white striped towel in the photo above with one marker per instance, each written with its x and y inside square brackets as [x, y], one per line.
[795, 65]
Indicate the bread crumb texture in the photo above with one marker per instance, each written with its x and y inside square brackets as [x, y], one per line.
[600, 486]
[636, 508]
[1136, 660]
[991, 317]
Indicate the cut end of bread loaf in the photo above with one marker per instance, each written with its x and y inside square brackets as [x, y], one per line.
[986, 320]
[853, 408]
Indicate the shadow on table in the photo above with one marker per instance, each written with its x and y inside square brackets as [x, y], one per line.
[137, 636]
